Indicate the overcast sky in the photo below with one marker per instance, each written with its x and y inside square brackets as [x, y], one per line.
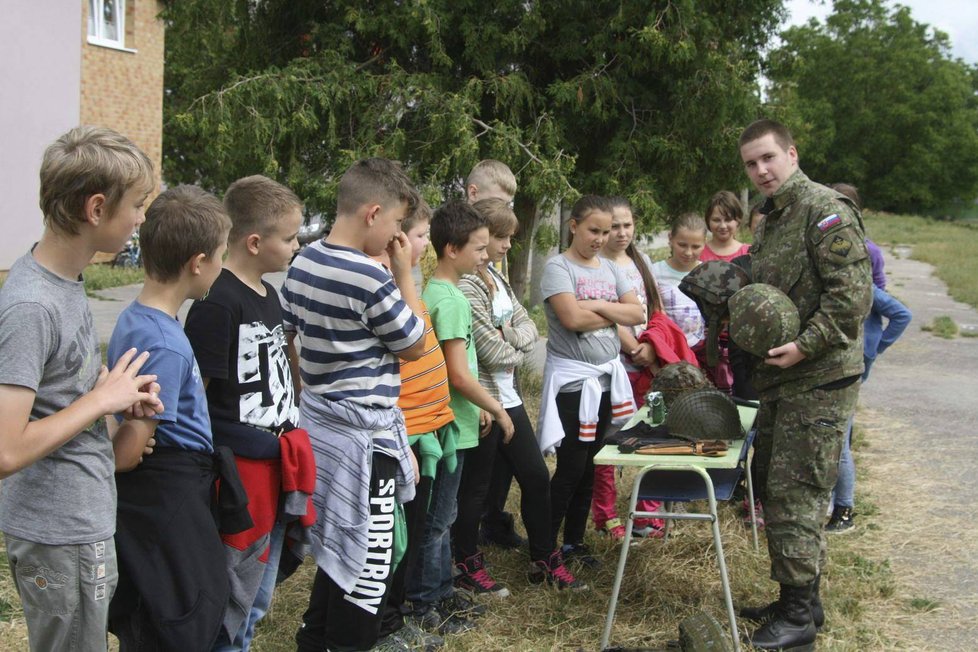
[957, 18]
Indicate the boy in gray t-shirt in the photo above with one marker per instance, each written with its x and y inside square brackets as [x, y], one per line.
[58, 502]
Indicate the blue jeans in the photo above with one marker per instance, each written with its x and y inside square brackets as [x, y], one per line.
[263, 599]
[431, 578]
[845, 486]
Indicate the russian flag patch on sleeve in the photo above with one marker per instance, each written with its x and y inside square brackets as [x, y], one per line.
[828, 222]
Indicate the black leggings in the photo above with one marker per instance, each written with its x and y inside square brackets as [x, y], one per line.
[523, 454]
[337, 620]
[573, 481]
[502, 477]
[415, 513]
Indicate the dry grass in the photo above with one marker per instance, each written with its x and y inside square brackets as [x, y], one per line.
[868, 606]
[951, 247]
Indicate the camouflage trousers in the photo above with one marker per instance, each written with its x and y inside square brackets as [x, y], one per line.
[797, 447]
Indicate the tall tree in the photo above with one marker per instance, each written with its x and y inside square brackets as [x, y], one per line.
[627, 96]
[879, 102]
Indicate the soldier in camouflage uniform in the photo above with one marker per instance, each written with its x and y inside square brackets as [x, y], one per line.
[810, 246]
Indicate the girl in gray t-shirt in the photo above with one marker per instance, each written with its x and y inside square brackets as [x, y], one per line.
[586, 297]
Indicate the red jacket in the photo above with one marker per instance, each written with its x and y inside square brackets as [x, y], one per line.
[669, 343]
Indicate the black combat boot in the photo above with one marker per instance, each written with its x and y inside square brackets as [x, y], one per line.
[791, 628]
[765, 613]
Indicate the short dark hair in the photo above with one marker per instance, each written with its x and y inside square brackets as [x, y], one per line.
[452, 224]
[374, 180]
[180, 223]
[255, 204]
[728, 203]
[763, 127]
[849, 191]
[421, 213]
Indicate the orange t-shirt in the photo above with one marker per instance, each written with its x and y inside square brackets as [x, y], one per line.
[424, 387]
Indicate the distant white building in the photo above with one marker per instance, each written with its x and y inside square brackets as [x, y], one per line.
[100, 64]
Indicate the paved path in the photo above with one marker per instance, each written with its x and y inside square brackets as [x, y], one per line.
[109, 303]
[921, 463]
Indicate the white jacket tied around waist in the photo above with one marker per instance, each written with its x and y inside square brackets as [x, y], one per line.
[558, 372]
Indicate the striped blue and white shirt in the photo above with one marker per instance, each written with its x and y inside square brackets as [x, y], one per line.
[351, 321]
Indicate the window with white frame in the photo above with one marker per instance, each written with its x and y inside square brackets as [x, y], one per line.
[107, 22]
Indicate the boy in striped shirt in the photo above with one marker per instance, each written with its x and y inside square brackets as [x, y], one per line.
[354, 319]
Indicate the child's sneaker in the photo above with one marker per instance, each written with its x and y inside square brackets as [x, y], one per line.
[580, 554]
[457, 604]
[841, 520]
[431, 619]
[554, 572]
[648, 532]
[758, 513]
[614, 529]
[391, 643]
[474, 578]
[409, 638]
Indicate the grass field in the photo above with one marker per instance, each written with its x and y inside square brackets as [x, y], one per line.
[951, 247]
[102, 276]
[666, 581]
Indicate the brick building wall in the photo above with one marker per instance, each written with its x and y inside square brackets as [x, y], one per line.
[123, 89]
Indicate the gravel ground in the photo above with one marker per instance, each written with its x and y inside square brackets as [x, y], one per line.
[920, 460]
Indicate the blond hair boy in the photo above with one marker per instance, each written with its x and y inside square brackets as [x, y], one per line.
[239, 343]
[490, 178]
[58, 504]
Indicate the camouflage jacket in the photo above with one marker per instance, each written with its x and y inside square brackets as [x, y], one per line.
[811, 246]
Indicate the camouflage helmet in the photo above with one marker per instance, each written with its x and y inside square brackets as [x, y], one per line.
[762, 317]
[710, 285]
[704, 414]
[678, 378]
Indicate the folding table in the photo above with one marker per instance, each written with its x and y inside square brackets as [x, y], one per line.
[681, 478]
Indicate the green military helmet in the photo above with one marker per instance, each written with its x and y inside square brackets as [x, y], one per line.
[704, 414]
[762, 317]
[678, 378]
[710, 285]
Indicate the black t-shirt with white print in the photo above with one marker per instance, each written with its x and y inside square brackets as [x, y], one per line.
[239, 343]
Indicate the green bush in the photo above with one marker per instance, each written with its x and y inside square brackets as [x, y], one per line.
[103, 276]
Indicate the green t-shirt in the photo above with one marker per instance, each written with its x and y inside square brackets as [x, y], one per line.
[451, 317]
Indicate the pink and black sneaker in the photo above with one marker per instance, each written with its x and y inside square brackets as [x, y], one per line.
[554, 572]
[476, 580]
